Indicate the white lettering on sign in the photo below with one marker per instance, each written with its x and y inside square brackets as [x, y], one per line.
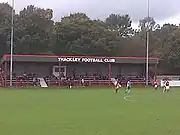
[110, 60]
[88, 60]
[70, 59]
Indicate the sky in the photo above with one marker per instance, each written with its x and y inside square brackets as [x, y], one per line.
[163, 11]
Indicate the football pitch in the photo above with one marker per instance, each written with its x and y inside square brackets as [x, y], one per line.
[89, 112]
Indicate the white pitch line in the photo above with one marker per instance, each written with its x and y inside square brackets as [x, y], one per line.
[126, 98]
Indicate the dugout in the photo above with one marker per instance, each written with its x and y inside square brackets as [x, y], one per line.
[47, 65]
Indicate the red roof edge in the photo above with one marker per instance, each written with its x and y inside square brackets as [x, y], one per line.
[56, 56]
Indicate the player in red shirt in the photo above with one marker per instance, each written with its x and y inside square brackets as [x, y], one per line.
[155, 84]
[21, 81]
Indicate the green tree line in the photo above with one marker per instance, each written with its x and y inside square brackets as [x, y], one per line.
[35, 32]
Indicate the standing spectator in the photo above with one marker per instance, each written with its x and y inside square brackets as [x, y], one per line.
[82, 82]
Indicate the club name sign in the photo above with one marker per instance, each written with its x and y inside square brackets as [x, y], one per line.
[88, 60]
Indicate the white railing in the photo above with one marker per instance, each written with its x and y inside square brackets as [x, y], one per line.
[171, 83]
[170, 77]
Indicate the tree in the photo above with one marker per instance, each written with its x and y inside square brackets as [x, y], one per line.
[78, 34]
[5, 25]
[68, 31]
[148, 23]
[33, 28]
[133, 46]
[167, 47]
[173, 52]
[165, 30]
[120, 24]
[161, 38]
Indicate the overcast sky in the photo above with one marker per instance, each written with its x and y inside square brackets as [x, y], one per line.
[161, 10]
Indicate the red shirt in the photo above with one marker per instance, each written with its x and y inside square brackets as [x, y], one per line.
[155, 82]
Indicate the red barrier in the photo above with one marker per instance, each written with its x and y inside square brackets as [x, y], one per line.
[75, 83]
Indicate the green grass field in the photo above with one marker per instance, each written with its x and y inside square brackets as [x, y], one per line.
[89, 112]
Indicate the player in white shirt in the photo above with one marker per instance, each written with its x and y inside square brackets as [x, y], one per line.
[117, 85]
[83, 82]
[128, 86]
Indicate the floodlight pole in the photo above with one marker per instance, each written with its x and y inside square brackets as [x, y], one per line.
[11, 45]
[147, 48]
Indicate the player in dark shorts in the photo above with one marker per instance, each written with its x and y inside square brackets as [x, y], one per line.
[69, 83]
[166, 87]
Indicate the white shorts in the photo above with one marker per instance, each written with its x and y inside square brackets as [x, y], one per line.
[155, 86]
[115, 83]
[167, 87]
[118, 86]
